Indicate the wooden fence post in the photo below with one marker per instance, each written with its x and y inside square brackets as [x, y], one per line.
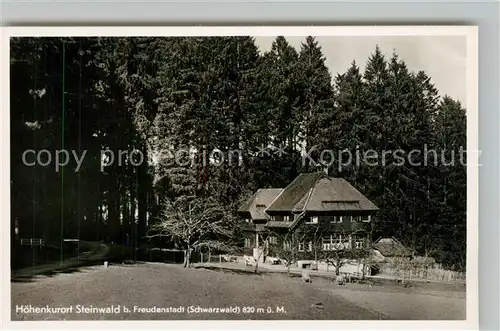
[220, 258]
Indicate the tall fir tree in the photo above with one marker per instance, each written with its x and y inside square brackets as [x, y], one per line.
[450, 185]
[347, 128]
[279, 151]
[315, 97]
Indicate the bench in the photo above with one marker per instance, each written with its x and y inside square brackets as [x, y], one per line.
[32, 242]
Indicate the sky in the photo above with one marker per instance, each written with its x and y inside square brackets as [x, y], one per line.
[443, 58]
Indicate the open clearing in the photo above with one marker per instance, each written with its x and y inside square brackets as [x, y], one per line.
[271, 296]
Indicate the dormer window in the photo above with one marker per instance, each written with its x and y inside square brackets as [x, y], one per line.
[286, 218]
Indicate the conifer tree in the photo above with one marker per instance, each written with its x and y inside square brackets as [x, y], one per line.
[280, 69]
[450, 185]
[315, 96]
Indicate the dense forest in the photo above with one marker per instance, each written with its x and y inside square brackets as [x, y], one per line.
[88, 95]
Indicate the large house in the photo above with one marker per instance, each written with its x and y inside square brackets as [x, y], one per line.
[256, 219]
[330, 212]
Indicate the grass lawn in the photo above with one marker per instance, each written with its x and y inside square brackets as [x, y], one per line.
[163, 286]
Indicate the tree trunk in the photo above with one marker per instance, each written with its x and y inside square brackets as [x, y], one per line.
[125, 215]
[99, 220]
[264, 251]
[133, 221]
[114, 208]
[256, 270]
[144, 187]
[185, 258]
[337, 269]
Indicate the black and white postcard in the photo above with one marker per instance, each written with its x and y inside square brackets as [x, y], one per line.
[241, 173]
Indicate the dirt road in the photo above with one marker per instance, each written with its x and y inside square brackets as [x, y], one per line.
[160, 291]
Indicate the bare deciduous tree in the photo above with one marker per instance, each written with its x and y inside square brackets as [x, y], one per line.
[339, 253]
[194, 223]
[287, 248]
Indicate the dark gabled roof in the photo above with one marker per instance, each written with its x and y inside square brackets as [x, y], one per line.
[245, 207]
[295, 191]
[257, 203]
[390, 247]
[302, 202]
[318, 192]
[336, 194]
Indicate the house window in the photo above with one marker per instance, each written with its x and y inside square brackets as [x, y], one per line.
[273, 240]
[336, 242]
[327, 243]
[359, 242]
[248, 243]
[346, 242]
[337, 219]
[312, 220]
[286, 245]
[365, 218]
[354, 219]
[303, 246]
[247, 220]
[286, 218]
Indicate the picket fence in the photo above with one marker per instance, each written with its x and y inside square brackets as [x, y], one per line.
[434, 273]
